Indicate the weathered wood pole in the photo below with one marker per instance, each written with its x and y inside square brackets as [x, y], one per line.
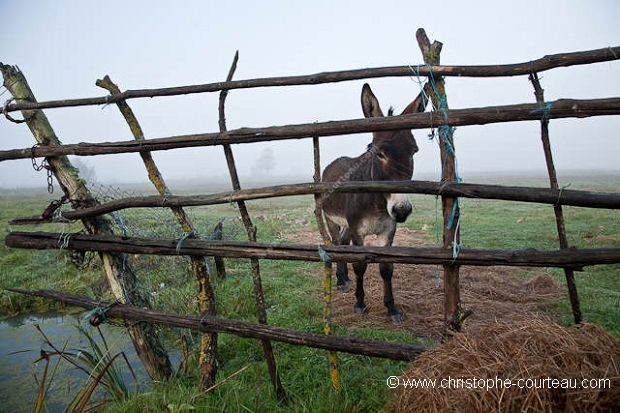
[563, 258]
[220, 266]
[553, 182]
[353, 345]
[206, 297]
[332, 356]
[562, 108]
[453, 312]
[538, 65]
[251, 231]
[549, 196]
[119, 275]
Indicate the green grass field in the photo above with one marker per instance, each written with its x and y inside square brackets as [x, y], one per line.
[293, 292]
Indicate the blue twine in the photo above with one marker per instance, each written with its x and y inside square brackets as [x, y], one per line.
[455, 207]
[546, 111]
[420, 82]
[96, 310]
[447, 133]
[66, 238]
[101, 312]
[325, 257]
[166, 195]
[456, 246]
[560, 193]
[183, 237]
[119, 220]
[107, 101]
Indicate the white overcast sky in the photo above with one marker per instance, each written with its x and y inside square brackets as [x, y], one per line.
[64, 46]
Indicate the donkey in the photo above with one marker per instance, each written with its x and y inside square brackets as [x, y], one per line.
[350, 217]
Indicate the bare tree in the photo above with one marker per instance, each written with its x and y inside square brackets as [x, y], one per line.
[264, 164]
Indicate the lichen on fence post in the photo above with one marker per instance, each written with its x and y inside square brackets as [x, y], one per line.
[332, 356]
[206, 296]
[120, 276]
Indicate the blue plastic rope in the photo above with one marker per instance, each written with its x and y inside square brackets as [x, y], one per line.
[325, 257]
[455, 207]
[560, 193]
[545, 110]
[183, 237]
[446, 132]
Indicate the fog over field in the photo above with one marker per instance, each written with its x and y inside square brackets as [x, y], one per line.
[66, 46]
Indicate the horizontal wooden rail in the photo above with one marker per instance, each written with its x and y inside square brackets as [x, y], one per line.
[565, 258]
[563, 108]
[451, 189]
[525, 68]
[212, 324]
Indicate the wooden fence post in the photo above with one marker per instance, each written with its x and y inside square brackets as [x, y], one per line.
[206, 297]
[453, 312]
[120, 276]
[332, 356]
[553, 181]
[251, 231]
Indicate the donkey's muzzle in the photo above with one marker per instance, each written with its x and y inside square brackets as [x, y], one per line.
[399, 207]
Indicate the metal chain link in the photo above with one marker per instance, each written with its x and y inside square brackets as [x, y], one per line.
[50, 180]
[5, 110]
[44, 165]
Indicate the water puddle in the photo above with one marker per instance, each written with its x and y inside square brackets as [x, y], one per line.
[21, 344]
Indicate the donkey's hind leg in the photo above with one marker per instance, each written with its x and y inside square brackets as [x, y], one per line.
[387, 270]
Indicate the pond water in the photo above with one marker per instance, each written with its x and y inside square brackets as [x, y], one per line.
[21, 345]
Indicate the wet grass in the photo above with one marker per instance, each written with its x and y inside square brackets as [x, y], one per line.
[293, 293]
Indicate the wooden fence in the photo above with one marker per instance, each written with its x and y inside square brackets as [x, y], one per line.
[101, 239]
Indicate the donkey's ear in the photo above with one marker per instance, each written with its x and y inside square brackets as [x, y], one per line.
[370, 104]
[419, 103]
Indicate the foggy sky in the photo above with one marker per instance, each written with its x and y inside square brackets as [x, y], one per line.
[63, 47]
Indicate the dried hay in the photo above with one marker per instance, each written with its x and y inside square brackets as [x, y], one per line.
[493, 293]
[531, 349]
[492, 344]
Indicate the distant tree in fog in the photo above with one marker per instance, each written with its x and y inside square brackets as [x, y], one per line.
[264, 164]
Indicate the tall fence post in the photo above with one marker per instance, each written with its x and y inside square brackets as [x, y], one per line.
[332, 356]
[553, 181]
[453, 312]
[206, 297]
[119, 275]
[251, 231]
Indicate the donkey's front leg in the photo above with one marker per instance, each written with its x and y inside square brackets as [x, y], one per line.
[387, 269]
[342, 275]
[360, 305]
[340, 236]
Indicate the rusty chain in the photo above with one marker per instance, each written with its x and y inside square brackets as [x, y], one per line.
[12, 119]
[44, 165]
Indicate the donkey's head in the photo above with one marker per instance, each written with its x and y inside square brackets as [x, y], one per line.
[392, 153]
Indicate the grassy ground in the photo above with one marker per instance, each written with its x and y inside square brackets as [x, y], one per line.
[293, 293]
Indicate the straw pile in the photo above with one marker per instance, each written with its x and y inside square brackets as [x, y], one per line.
[535, 351]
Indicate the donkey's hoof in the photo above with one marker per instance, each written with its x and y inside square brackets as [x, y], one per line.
[345, 287]
[360, 310]
[396, 319]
